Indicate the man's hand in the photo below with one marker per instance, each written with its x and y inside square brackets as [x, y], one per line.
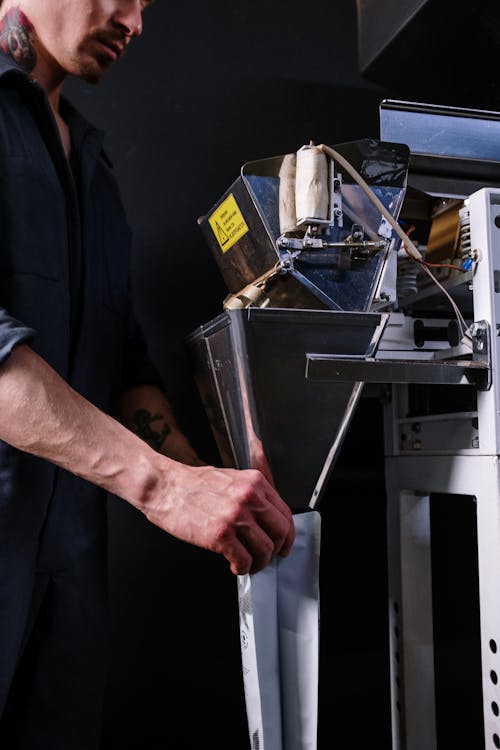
[234, 512]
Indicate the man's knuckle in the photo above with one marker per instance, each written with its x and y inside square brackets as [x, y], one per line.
[247, 493]
[221, 533]
[254, 476]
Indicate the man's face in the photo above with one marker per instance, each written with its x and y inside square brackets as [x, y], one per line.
[84, 37]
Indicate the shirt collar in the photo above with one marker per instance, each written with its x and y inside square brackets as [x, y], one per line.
[80, 128]
[8, 64]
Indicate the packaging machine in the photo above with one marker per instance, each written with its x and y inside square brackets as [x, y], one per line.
[371, 262]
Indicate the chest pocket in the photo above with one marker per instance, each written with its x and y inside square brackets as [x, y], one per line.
[33, 225]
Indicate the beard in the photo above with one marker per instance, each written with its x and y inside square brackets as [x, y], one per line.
[92, 62]
[92, 71]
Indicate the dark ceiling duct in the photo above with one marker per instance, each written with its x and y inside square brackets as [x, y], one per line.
[432, 50]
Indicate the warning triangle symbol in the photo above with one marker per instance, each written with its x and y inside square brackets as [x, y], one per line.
[223, 238]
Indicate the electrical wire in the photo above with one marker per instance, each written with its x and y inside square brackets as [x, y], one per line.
[426, 262]
[410, 248]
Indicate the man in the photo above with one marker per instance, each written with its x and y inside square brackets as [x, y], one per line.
[71, 354]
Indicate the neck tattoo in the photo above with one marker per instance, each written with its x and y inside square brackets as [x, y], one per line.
[16, 39]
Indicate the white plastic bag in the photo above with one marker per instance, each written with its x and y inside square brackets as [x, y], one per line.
[279, 629]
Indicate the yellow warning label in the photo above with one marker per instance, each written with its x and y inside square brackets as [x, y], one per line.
[227, 223]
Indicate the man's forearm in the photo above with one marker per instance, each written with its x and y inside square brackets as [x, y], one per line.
[41, 414]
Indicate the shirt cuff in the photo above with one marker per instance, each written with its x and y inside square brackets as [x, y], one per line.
[12, 333]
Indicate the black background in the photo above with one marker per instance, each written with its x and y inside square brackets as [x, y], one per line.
[205, 89]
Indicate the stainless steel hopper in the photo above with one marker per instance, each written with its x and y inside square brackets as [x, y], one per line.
[251, 368]
[335, 263]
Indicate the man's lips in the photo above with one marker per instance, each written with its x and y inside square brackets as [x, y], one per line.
[114, 48]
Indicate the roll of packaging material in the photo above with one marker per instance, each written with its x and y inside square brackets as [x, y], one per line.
[279, 628]
[288, 216]
[260, 657]
[311, 183]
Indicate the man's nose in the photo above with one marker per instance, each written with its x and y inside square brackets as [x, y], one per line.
[128, 15]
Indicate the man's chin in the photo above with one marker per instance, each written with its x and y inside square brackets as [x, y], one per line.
[92, 71]
[93, 77]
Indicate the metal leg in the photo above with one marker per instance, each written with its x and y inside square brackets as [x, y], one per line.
[410, 588]
[410, 620]
[488, 533]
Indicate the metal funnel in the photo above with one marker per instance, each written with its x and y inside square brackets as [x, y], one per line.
[250, 366]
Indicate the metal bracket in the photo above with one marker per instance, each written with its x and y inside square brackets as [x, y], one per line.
[332, 368]
[481, 343]
[336, 212]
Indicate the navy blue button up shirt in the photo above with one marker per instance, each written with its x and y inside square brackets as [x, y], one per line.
[64, 289]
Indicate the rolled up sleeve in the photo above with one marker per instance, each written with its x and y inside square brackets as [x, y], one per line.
[12, 333]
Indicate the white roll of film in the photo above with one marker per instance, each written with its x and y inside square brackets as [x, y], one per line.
[311, 184]
[287, 213]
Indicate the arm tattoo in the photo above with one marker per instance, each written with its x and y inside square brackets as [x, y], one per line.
[142, 426]
[16, 38]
